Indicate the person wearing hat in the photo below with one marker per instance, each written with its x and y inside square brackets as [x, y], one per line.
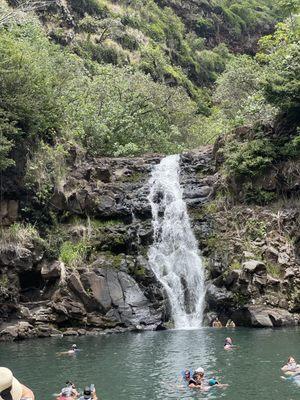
[11, 388]
[89, 394]
[200, 372]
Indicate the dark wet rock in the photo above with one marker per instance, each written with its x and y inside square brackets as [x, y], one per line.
[217, 298]
[264, 317]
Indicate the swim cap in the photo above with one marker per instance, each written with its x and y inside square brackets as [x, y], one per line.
[212, 382]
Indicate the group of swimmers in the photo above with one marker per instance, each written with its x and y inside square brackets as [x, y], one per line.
[69, 392]
[12, 389]
[196, 379]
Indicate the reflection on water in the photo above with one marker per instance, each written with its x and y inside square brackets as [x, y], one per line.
[147, 365]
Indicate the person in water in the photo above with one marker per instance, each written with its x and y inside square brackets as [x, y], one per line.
[217, 323]
[200, 372]
[230, 324]
[185, 376]
[228, 344]
[89, 393]
[68, 391]
[214, 382]
[291, 365]
[196, 381]
[65, 395]
[73, 349]
[11, 388]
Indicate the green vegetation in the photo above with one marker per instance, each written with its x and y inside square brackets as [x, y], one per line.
[141, 77]
[74, 254]
[274, 270]
[18, 234]
[262, 94]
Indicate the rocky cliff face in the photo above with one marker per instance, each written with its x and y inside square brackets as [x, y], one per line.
[83, 268]
[251, 251]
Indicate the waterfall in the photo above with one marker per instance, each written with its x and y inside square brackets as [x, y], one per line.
[174, 256]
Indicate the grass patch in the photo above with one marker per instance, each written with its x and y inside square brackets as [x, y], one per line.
[18, 234]
[274, 269]
[74, 254]
[98, 224]
[235, 265]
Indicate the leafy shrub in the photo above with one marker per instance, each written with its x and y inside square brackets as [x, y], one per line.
[248, 158]
[46, 170]
[254, 195]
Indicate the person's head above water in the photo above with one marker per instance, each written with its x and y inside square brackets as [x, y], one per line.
[228, 340]
[74, 346]
[87, 393]
[200, 371]
[291, 360]
[187, 374]
[65, 392]
[10, 387]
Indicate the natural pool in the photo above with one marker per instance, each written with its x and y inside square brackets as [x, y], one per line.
[140, 366]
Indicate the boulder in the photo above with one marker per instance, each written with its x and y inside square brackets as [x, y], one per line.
[232, 278]
[9, 334]
[68, 308]
[52, 270]
[98, 290]
[16, 257]
[263, 317]
[115, 289]
[218, 298]
[133, 295]
[254, 267]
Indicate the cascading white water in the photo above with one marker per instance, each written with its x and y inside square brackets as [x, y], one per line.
[174, 255]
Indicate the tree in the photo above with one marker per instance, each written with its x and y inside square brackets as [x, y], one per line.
[130, 114]
[280, 52]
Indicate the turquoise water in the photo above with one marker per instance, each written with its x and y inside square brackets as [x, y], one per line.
[145, 365]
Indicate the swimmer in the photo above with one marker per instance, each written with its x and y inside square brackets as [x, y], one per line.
[200, 371]
[73, 350]
[217, 323]
[197, 382]
[11, 388]
[294, 377]
[230, 324]
[228, 344]
[65, 395]
[214, 382]
[291, 365]
[68, 391]
[185, 376]
[89, 393]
